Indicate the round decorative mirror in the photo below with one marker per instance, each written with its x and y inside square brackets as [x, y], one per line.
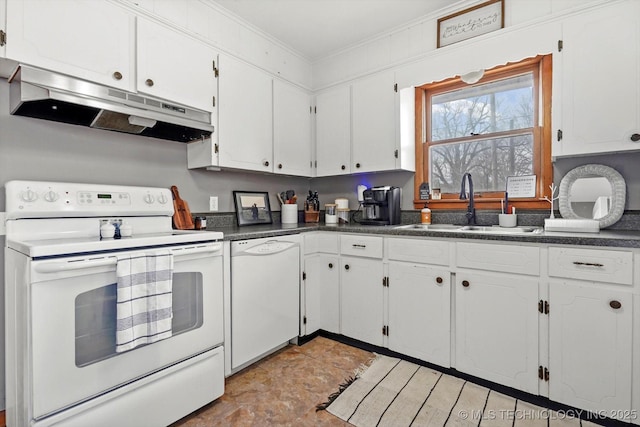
[593, 192]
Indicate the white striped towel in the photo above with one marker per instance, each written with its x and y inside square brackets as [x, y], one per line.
[144, 299]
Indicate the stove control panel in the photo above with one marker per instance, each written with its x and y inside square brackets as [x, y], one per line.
[34, 199]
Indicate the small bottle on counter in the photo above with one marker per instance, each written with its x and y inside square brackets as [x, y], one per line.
[425, 215]
[200, 223]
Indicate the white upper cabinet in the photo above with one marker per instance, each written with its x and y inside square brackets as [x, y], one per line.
[333, 132]
[92, 40]
[374, 123]
[596, 100]
[175, 67]
[365, 127]
[291, 130]
[245, 122]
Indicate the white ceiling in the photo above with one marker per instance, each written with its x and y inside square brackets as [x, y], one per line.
[316, 28]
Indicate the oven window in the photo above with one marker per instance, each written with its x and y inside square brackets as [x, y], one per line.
[95, 317]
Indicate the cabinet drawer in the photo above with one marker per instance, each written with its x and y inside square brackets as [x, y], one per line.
[364, 246]
[592, 264]
[419, 250]
[496, 257]
[321, 242]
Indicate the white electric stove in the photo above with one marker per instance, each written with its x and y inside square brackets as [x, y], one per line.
[60, 293]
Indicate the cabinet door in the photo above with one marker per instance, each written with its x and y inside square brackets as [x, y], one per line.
[590, 346]
[497, 328]
[333, 132]
[419, 309]
[598, 77]
[291, 130]
[244, 116]
[361, 299]
[374, 124]
[322, 293]
[175, 67]
[92, 40]
[3, 28]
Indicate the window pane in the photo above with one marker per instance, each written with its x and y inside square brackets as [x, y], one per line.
[497, 106]
[489, 162]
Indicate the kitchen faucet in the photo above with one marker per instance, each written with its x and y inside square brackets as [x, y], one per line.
[471, 211]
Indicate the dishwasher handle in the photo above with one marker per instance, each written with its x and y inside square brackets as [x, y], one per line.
[269, 247]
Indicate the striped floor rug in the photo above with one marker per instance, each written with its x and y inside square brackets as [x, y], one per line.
[394, 392]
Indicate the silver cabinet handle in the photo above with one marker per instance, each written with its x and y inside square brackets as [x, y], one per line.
[588, 264]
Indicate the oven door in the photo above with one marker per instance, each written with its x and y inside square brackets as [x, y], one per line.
[73, 320]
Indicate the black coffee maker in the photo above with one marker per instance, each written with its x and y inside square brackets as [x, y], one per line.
[381, 206]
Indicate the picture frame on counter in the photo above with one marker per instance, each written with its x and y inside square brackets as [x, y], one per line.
[252, 207]
[471, 22]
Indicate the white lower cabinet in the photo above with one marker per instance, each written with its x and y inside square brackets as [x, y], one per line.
[561, 327]
[496, 336]
[419, 311]
[590, 346]
[362, 299]
[322, 294]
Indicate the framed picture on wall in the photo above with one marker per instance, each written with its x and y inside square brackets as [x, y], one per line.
[471, 22]
[252, 207]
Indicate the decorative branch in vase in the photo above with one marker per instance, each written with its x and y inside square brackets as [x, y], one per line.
[553, 198]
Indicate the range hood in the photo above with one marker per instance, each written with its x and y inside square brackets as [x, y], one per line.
[47, 95]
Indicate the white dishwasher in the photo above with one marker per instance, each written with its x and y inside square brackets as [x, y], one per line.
[265, 296]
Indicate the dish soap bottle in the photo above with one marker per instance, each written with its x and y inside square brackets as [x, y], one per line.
[425, 215]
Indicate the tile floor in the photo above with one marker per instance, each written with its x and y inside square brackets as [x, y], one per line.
[284, 389]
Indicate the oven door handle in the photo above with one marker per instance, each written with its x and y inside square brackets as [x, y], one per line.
[56, 267]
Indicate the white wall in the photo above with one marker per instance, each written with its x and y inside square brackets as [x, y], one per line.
[416, 40]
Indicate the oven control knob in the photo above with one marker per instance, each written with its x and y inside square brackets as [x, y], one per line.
[51, 196]
[149, 199]
[29, 196]
[162, 199]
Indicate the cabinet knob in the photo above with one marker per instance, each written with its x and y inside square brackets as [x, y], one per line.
[266, 163]
[343, 167]
[117, 75]
[148, 82]
[635, 137]
[357, 165]
[615, 304]
[346, 267]
[465, 283]
[438, 280]
[330, 265]
[279, 165]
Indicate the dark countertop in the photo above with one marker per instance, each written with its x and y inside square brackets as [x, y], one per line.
[613, 238]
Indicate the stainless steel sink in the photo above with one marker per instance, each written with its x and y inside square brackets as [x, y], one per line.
[430, 227]
[480, 229]
[500, 230]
